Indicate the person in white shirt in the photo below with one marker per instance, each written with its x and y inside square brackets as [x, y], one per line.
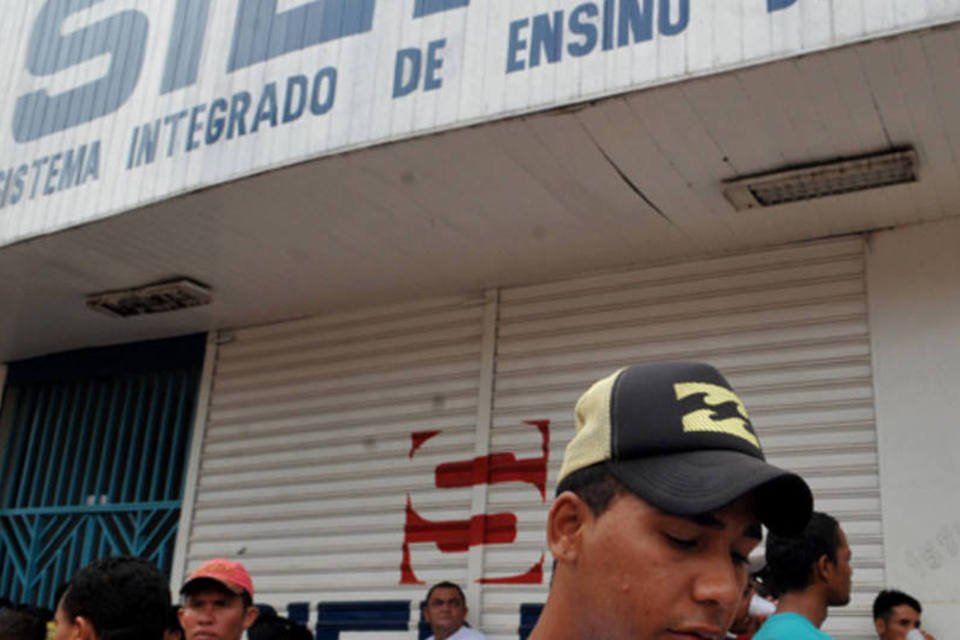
[445, 610]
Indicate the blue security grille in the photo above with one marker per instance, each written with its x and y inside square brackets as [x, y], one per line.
[93, 461]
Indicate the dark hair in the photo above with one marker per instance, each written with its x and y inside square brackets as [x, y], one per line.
[171, 622]
[886, 600]
[791, 559]
[21, 623]
[595, 485]
[446, 584]
[270, 626]
[123, 598]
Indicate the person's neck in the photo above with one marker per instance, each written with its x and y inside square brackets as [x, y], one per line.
[557, 620]
[809, 603]
[443, 635]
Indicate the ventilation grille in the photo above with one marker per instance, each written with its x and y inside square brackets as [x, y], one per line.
[821, 180]
[152, 298]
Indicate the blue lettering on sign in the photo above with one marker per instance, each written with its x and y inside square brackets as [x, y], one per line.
[51, 174]
[261, 33]
[581, 25]
[434, 63]
[777, 5]
[620, 23]
[186, 44]
[546, 36]
[409, 61]
[426, 7]
[122, 36]
[235, 116]
[406, 71]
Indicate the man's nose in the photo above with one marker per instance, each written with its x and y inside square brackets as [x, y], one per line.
[720, 581]
[205, 615]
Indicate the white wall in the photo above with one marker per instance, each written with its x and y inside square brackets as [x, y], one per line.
[913, 279]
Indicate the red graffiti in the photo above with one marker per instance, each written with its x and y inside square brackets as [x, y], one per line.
[453, 536]
[457, 536]
[417, 438]
[499, 467]
[534, 575]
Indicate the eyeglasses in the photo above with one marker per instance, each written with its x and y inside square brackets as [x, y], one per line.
[453, 602]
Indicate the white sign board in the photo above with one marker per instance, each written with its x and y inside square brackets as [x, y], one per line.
[106, 105]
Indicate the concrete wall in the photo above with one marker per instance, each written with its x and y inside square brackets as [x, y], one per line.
[913, 279]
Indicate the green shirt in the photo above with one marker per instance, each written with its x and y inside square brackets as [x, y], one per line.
[789, 626]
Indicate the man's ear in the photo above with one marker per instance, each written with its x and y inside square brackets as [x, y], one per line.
[250, 616]
[824, 568]
[84, 628]
[565, 526]
[881, 625]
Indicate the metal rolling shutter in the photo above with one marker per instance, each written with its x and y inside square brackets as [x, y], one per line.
[308, 462]
[787, 326]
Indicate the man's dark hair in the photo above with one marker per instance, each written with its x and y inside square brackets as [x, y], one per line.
[791, 559]
[172, 621]
[446, 584]
[886, 600]
[123, 598]
[21, 623]
[595, 485]
[270, 626]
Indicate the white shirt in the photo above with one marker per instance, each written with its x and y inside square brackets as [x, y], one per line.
[465, 633]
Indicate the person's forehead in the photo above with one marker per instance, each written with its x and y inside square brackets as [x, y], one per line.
[740, 514]
[842, 542]
[60, 612]
[905, 611]
[211, 591]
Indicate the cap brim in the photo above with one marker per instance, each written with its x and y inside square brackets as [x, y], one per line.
[695, 482]
[198, 581]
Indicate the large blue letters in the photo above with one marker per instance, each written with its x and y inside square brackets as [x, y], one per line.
[122, 36]
[186, 44]
[777, 5]
[261, 33]
[423, 8]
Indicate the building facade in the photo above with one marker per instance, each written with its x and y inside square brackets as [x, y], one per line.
[404, 236]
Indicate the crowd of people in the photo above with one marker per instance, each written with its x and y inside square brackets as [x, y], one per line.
[660, 504]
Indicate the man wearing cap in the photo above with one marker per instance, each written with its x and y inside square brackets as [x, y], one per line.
[217, 601]
[660, 499]
[811, 572]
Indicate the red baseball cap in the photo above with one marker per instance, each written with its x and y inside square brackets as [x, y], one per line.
[232, 575]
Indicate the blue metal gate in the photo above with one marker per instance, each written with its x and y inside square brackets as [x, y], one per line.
[93, 464]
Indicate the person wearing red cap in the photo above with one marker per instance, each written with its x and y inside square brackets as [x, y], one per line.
[660, 500]
[217, 601]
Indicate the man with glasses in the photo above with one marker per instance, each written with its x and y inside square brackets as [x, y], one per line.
[445, 610]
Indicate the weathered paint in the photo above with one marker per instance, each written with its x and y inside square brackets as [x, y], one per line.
[109, 104]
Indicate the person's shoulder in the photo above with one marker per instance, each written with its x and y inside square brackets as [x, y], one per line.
[791, 626]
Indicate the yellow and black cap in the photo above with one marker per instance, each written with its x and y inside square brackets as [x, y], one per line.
[677, 435]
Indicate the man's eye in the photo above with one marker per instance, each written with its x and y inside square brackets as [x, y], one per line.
[739, 558]
[680, 542]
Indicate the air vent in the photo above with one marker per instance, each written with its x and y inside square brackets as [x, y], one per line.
[823, 179]
[158, 297]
